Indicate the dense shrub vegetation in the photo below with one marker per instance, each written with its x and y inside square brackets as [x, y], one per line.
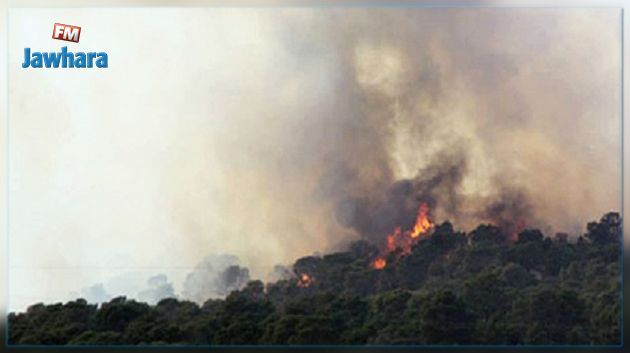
[452, 288]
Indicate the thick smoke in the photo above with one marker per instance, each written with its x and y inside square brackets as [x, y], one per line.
[95, 294]
[435, 114]
[308, 128]
[373, 111]
[216, 276]
[158, 288]
[279, 272]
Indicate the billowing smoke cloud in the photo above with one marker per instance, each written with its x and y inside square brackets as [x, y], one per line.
[435, 112]
[216, 276]
[486, 115]
[279, 272]
[94, 294]
[158, 288]
[305, 129]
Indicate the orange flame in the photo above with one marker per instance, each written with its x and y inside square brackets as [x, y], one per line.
[404, 241]
[391, 240]
[379, 263]
[423, 224]
[304, 281]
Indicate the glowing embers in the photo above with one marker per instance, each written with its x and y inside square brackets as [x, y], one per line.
[379, 263]
[304, 280]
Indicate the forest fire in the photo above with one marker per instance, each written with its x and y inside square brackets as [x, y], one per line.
[379, 263]
[423, 224]
[517, 228]
[391, 240]
[404, 240]
[304, 281]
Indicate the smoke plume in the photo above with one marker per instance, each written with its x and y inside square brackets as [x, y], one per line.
[377, 110]
[216, 276]
[158, 288]
[303, 130]
[95, 294]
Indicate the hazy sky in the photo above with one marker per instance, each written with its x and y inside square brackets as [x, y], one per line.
[217, 130]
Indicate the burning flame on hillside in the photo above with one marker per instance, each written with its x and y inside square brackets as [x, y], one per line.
[423, 224]
[404, 240]
[379, 263]
[304, 280]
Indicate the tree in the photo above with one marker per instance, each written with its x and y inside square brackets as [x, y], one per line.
[444, 291]
[446, 320]
[607, 230]
[116, 314]
[550, 315]
[487, 234]
[530, 235]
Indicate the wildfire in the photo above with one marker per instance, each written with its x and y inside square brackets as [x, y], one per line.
[404, 240]
[379, 263]
[423, 224]
[304, 281]
[520, 226]
[391, 240]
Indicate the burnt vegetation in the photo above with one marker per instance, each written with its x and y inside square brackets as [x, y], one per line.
[452, 287]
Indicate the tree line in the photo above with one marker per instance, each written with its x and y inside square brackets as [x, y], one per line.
[452, 288]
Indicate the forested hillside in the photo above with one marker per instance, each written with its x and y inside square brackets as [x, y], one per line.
[450, 287]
